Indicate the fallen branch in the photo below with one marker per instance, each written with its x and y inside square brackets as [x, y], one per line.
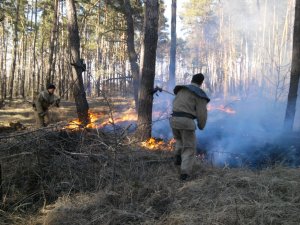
[16, 155]
[62, 124]
[83, 154]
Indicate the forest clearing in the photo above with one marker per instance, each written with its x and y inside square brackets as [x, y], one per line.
[149, 112]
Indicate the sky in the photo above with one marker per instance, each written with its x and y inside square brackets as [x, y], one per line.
[168, 4]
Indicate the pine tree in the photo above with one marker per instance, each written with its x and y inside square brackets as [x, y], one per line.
[295, 73]
[77, 66]
[148, 69]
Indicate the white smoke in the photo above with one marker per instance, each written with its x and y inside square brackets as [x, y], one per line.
[257, 126]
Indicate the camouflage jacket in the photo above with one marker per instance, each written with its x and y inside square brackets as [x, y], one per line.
[44, 100]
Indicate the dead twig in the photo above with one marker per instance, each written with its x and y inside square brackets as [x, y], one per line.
[16, 155]
[84, 154]
[61, 124]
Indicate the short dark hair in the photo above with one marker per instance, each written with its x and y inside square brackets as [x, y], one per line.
[198, 78]
[51, 86]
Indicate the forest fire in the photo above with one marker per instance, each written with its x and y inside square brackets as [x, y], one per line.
[96, 117]
[158, 144]
[130, 115]
[76, 124]
[150, 144]
[126, 116]
[222, 108]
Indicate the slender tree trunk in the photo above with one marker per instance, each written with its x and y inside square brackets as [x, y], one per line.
[23, 69]
[63, 74]
[4, 90]
[51, 65]
[40, 75]
[14, 53]
[18, 67]
[2, 67]
[142, 52]
[34, 80]
[131, 50]
[148, 70]
[172, 66]
[295, 73]
[74, 43]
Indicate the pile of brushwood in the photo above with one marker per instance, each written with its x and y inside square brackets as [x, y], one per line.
[55, 176]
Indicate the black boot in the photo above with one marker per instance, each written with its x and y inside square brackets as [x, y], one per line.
[184, 177]
[177, 161]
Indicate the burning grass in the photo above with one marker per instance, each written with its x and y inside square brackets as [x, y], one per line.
[158, 144]
[76, 124]
[100, 120]
[222, 108]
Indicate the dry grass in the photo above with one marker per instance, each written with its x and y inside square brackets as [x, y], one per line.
[217, 197]
[85, 178]
[56, 177]
[19, 110]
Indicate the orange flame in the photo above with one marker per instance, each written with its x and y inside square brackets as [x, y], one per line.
[129, 115]
[158, 144]
[76, 124]
[222, 108]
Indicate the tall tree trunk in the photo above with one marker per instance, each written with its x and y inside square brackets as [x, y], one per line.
[50, 66]
[172, 66]
[2, 65]
[62, 51]
[74, 43]
[24, 66]
[40, 75]
[295, 73]
[148, 70]
[14, 53]
[34, 80]
[135, 70]
[18, 66]
[98, 61]
[142, 52]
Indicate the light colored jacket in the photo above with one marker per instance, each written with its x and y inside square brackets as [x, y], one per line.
[188, 102]
[44, 100]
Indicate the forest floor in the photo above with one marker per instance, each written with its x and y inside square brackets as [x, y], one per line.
[58, 176]
[19, 111]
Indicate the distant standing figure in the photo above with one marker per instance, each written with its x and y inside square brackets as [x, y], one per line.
[189, 104]
[42, 103]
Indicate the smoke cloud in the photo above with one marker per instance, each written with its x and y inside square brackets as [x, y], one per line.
[252, 136]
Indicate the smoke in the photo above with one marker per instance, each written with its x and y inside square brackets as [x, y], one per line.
[234, 138]
[162, 109]
[250, 17]
[261, 32]
[252, 136]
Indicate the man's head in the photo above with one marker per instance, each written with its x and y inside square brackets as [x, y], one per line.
[198, 78]
[51, 88]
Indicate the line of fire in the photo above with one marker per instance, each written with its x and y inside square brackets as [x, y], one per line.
[149, 112]
[233, 136]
